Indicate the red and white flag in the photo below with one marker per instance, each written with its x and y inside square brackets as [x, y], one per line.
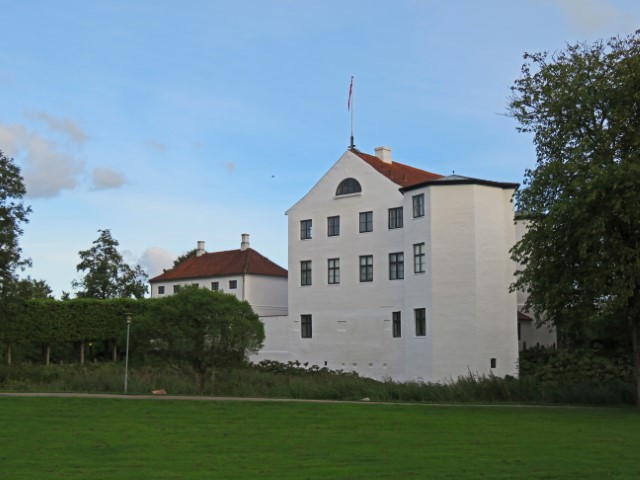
[350, 93]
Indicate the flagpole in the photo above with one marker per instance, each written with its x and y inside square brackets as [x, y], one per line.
[350, 104]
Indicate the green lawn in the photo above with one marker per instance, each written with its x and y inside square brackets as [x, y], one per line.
[71, 438]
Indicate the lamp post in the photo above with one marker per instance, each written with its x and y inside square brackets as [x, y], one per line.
[126, 356]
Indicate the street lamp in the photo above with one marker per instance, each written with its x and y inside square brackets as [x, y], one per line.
[126, 356]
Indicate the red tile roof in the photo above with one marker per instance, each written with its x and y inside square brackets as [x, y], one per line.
[230, 262]
[403, 175]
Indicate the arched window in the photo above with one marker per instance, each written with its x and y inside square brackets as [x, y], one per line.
[348, 185]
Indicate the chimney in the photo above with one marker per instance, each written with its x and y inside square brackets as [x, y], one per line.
[200, 250]
[245, 242]
[384, 154]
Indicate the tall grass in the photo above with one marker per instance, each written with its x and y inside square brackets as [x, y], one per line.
[291, 381]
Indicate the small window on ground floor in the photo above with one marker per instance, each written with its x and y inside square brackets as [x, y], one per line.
[305, 326]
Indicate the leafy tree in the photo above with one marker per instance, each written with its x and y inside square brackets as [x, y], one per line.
[13, 213]
[580, 255]
[203, 330]
[107, 275]
[30, 289]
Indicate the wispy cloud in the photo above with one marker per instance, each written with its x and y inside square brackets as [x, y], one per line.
[103, 178]
[593, 16]
[60, 125]
[47, 169]
[156, 146]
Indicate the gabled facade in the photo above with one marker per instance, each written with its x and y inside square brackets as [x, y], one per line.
[402, 273]
[244, 273]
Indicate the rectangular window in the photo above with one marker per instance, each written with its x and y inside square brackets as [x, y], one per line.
[395, 217]
[215, 286]
[366, 268]
[366, 222]
[233, 284]
[305, 326]
[396, 266]
[161, 290]
[333, 226]
[421, 322]
[305, 229]
[396, 324]
[418, 257]
[334, 270]
[305, 272]
[176, 288]
[418, 205]
[494, 363]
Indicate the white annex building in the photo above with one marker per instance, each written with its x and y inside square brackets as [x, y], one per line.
[393, 272]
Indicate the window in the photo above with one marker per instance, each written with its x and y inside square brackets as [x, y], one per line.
[215, 286]
[418, 205]
[366, 222]
[305, 272]
[176, 288]
[347, 186]
[305, 326]
[395, 217]
[194, 284]
[494, 363]
[396, 266]
[366, 268]
[305, 229]
[161, 290]
[334, 270]
[421, 322]
[233, 284]
[396, 324]
[418, 257]
[333, 224]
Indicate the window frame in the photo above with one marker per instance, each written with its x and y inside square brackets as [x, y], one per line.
[306, 278]
[306, 229]
[176, 288]
[418, 205]
[306, 326]
[215, 286]
[420, 316]
[396, 266]
[396, 220]
[419, 257]
[348, 186]
[333, 271]
[368, 221]
[233, 284]
[333, 226]
[160, 289]
[396, 324]
[366, 269]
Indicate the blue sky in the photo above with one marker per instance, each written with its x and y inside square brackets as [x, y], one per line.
[171, 122]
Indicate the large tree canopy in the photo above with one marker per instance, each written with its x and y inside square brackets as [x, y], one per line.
[106, 273]
[203, 330]
[580, 255]
[13, 213]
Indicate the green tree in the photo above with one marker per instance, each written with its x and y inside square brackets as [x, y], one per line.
[204, 331]
[182, 258]
[580, 255]
[13, 213]
[107, 275]
[30, 289]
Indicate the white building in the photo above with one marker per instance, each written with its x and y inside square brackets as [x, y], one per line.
[397, 272]
[244, 273]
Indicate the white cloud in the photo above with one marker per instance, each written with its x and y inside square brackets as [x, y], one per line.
[593, 16]
[155, 259]
[104, 178]
[62, 125]
[47, 169]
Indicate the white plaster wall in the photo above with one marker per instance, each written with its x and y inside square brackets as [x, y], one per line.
[351, 321]
[276, 342]
[473, 316]
[202, 283]
[267, 295]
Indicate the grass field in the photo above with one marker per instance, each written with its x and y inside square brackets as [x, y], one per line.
[73, 438]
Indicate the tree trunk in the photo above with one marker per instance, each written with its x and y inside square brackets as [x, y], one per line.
[82, 352]
[200, 378]
[635, 333]
[213, 381]
[9, 354]
[114, 352]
